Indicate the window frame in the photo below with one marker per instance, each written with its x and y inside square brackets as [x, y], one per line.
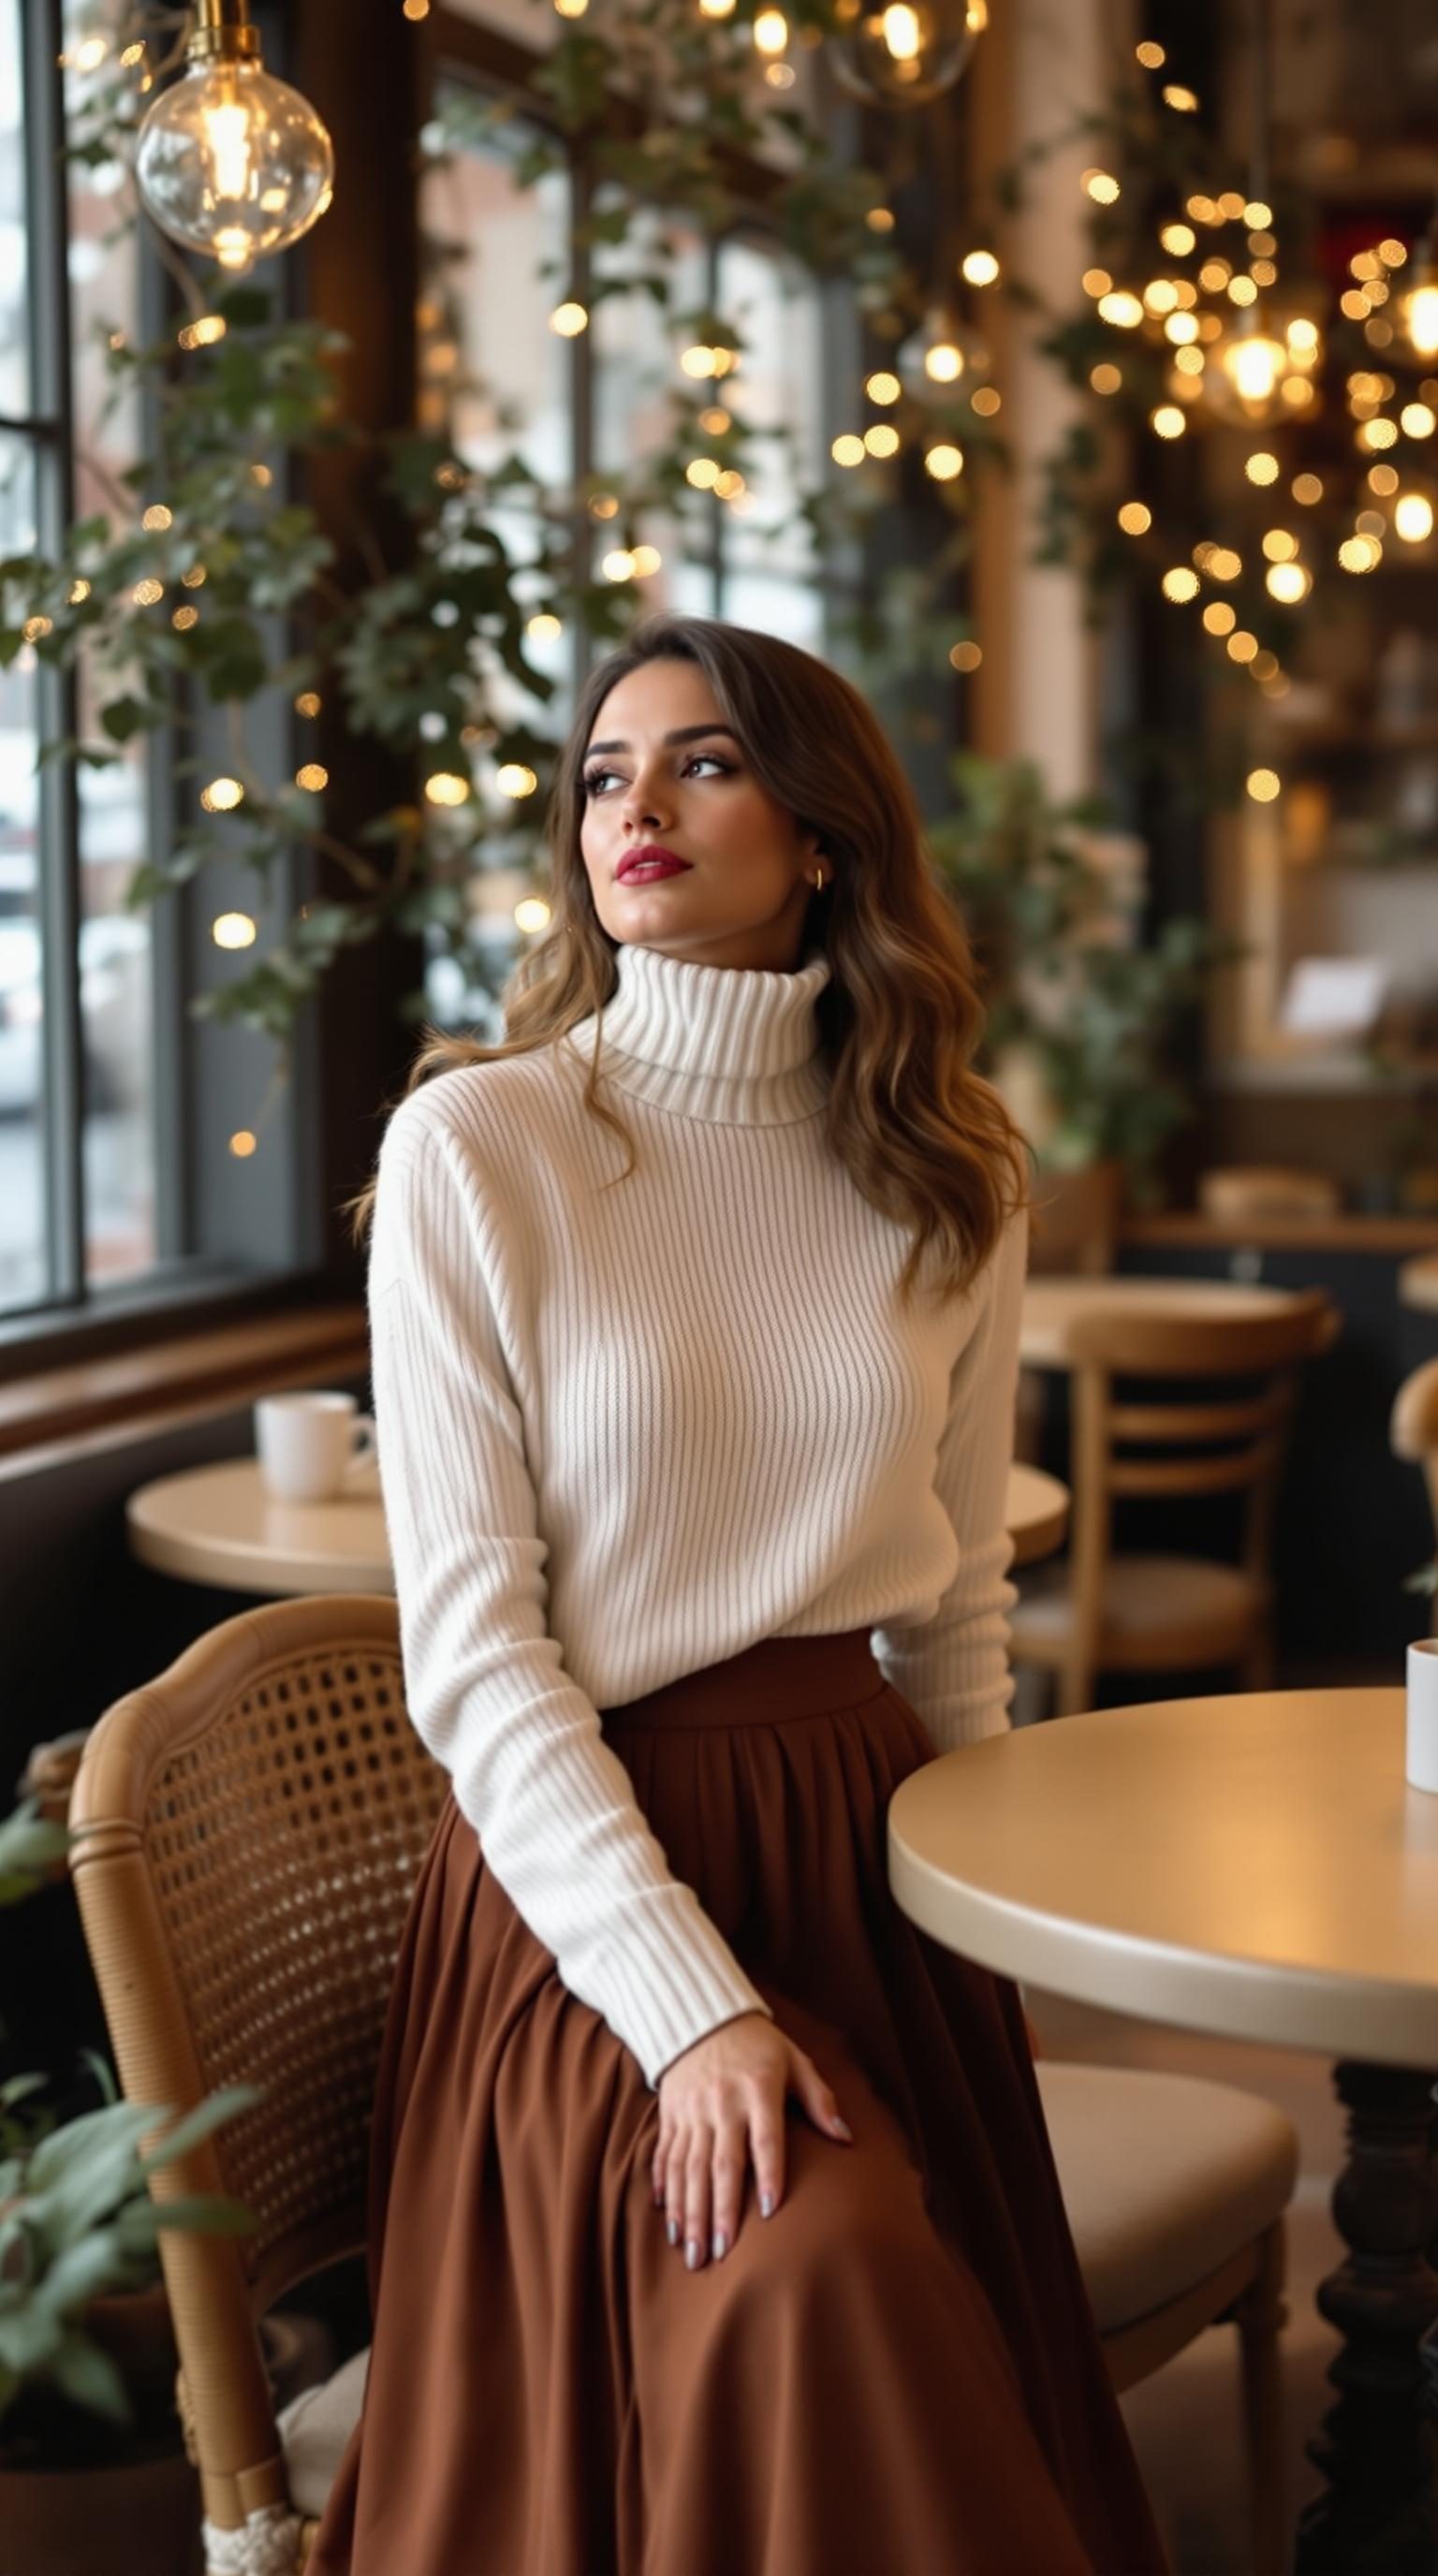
[201, 1227]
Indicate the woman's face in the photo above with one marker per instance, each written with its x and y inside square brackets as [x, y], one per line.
[664, 771]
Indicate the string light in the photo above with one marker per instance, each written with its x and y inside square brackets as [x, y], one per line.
[222, 795]
[242, 1144]
[568, 320]
[1180, 584]
[515, 779]
[966, 656]
[1263, 785]
[233, 930]
[1135, 518]
[883, 387]
[944, 462]
[1168, 421]
[848, 450]
[1260, 467]
[446, 787]
[881, 440]
[531, 913]
[980, 267]
[312, 777]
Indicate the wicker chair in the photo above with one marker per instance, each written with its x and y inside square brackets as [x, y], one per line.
[249, 1827]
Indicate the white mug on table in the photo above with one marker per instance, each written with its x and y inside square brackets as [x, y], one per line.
[310, 1442]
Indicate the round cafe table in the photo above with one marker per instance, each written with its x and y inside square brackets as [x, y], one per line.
[217, 1525]
[1051, 1305]
[1254, 1865]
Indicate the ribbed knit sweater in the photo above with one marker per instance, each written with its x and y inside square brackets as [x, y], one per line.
[625, 1433]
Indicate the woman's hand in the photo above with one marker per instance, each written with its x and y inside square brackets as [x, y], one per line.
[719, 2103]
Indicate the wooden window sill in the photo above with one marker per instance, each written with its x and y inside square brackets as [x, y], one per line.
[102, 1401]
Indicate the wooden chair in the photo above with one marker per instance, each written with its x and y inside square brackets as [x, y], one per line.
[1073, 1227]
[1413, 1432]
[1074, 1220]
[249, 1827]
[1097, 1611]
[1248, 1192]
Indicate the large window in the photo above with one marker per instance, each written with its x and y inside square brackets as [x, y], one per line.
[110, 1114]
[581, 410]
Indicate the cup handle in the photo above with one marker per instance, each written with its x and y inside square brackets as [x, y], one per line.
[366, 1443]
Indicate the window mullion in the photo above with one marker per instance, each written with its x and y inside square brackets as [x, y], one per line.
[46, 175]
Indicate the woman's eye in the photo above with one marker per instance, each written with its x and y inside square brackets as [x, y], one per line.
[595, 780]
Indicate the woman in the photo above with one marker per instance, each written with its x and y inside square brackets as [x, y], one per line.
[694, 1458]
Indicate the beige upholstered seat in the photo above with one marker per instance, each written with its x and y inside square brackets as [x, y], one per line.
[249, 1826]
[1165, 2178]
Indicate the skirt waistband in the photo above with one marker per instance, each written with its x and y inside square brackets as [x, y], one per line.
[776, 1678]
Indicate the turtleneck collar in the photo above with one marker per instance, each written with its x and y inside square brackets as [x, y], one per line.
[736, 1044]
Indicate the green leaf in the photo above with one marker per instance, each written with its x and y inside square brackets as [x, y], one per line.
[201, 2123]
[89, 2378]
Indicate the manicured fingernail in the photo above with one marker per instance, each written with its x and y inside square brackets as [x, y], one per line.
[766, 2204]
[721, 2246]
[843, 2128]
[693, 2253]
[673, 2231]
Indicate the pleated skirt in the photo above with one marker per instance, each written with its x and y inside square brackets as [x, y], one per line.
[897, 2374]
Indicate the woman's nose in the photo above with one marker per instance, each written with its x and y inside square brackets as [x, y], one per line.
[644, 802]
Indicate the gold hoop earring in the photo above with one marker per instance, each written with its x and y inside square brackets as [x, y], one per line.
[819, 882]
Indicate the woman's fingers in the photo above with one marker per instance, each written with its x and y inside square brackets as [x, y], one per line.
[698, 2178]
[730, 2166]
[721, 2105]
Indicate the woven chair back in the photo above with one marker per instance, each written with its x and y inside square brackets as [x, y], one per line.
[251, 1825]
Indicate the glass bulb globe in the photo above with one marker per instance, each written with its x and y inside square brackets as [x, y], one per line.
[1263, 366]
[234, 162]
[943, 360]
[903, 53]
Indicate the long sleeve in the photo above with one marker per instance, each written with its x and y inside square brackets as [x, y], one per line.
[488, 1692]
[953, 1669]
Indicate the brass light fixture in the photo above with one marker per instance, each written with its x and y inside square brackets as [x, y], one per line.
[230, 160]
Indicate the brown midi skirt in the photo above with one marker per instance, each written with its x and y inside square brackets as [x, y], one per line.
[895, 2375]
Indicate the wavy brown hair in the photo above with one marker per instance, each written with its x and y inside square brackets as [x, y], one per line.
[923, 1138]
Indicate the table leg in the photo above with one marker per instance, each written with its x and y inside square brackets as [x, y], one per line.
[1378, 2448]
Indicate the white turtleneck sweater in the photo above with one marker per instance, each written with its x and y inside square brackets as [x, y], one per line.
[625, 1433]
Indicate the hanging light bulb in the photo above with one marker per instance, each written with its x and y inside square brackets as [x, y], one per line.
[903, 53]
[941, 361]
[1263, 365]
[230, 160]
[1417, 298]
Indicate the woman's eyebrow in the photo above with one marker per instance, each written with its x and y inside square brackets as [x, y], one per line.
[686, 733]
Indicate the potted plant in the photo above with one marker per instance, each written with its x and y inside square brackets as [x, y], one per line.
[93, 2473]
[1082, 1015]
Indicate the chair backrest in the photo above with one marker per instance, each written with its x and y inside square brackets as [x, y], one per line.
[1193, 1438]
[1074, 1220]
[1244, 1192]
[249, 1827]
[1413, 1432]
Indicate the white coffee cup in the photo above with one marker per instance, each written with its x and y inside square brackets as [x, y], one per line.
[1421, 1764]
[309, 1443]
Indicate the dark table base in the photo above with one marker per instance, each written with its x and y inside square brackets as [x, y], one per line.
[1378, 2447]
